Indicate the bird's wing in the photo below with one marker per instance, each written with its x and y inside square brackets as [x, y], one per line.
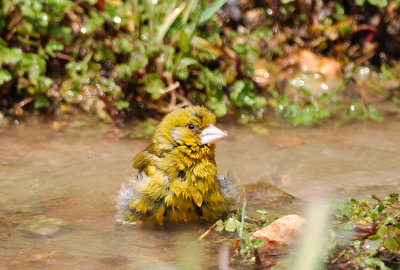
[146, 161]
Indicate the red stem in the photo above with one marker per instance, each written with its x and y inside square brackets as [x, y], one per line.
[366, 27]
[369, 38]
[259, 263]
[100, 5]
[25, 101]
[365, 228]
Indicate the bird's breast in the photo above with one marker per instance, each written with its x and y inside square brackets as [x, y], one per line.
[195, 181]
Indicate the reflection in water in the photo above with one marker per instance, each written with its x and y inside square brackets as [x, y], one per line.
[57, 191]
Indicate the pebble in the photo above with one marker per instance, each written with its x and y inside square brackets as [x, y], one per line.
[279, 234]
[44, 227]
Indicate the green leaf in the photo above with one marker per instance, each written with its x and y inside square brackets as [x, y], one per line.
[372, 261]
[391, 244]
[10, 55]
[92, 24]
[187, 61]
[138, 60]
[121, 104]
[372, 245]
[182, 74]
[353, 201]
[79, 123]
[210, 10]
[322, 113]
[382, 231]
[124, 71]
[263, 213]
[380, 207]
[61, 32]
[5, 76]
[220, 225]
[392, 196]
[216, 77]
[259, 102]
[235, 95]
[378, 3]
[154, 86]
[373, 113]
[53, 46]
[184, 42]
[254, 243]
[356, 244]
[339, 9]
[218, 105]
[374, 213]
[41, 102]
[257, 243]
[123, 45]
[33, 65]
[363, 114]
[232, 225]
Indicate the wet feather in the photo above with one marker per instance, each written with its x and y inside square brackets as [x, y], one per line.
[177, 174]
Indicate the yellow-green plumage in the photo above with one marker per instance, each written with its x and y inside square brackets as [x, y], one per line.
[177, 174]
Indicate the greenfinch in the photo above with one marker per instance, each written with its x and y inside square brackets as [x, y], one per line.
[177, 174]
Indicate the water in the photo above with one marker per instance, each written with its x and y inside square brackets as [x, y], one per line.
[57, 190]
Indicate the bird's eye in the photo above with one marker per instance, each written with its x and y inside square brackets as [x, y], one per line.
[191, 126]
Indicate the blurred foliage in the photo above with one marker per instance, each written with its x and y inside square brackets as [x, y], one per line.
[126, 58]
[375, 243]
[362, 234]
[240, 224]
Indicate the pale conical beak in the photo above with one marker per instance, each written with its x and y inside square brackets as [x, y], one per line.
[212, 134]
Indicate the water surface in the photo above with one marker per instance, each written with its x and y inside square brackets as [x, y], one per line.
[57, 190]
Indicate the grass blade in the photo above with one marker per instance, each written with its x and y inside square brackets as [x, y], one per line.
[168, 21]
[210, 10]
[243, 215]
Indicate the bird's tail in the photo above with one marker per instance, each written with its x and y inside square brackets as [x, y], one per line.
[226, 184]
[124, 200]
[127, 196]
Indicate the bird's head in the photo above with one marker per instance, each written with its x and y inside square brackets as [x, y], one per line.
[192, 128]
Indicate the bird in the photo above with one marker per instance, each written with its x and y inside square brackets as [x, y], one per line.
[177, 174]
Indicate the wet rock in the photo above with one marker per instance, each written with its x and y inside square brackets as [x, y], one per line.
[232, 10]
[308, 61]
[264, 195]
[262, 73]
[44, 227]
[267, 194]
[253, 17]
[307, 70]
[279, 234]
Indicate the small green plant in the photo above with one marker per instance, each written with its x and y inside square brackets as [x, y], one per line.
[263, 215]
[237, 223]
[115, 58]
[376, 233]
[364, 234]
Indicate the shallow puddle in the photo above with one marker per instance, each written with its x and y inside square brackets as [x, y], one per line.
[57, 191]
